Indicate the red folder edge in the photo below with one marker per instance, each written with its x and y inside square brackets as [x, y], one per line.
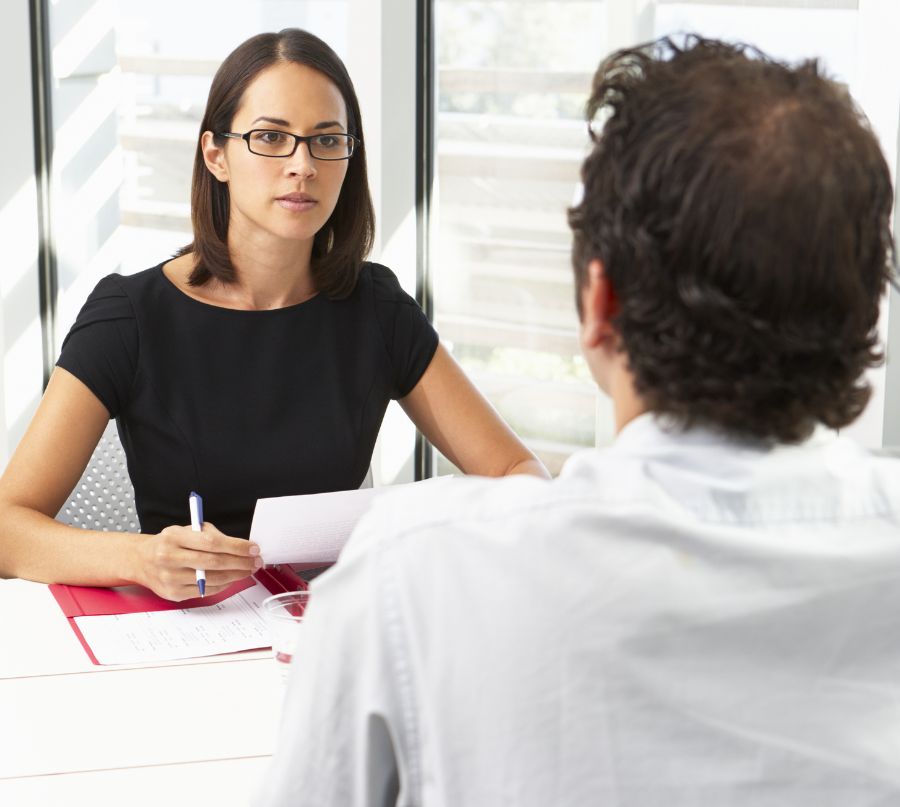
[92, 601]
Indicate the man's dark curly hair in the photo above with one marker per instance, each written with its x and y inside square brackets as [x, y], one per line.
[740, 208]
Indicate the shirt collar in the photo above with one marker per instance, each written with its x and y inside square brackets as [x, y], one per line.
[652, 432]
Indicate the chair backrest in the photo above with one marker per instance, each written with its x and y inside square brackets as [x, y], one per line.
[103, 499]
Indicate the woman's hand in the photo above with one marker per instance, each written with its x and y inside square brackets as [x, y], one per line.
[165, 563]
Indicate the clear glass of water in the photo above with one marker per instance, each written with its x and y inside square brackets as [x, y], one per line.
[284, 614]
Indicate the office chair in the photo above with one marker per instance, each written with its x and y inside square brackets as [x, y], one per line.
[103, 499]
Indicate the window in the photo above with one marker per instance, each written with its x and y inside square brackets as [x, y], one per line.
[512, 77]
[511, 84]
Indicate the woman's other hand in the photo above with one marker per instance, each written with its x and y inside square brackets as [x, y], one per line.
[458, 420]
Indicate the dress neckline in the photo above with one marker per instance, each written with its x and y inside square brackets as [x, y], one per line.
[238, 311]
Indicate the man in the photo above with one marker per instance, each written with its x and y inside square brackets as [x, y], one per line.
[708, 612]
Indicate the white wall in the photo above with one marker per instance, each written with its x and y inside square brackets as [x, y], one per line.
[21, 371]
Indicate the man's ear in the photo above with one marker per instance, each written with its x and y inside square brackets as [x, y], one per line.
[598, 306]
[214, 157]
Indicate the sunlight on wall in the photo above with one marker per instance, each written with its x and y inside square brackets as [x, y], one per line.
[81, 208]
[22, 374]
[87, 249]
[104, 261]
[18, 234]
[81, 39]
[73, 133]
[103, 182]
[21, 339]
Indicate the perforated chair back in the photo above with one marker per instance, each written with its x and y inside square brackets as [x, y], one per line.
[103, 499]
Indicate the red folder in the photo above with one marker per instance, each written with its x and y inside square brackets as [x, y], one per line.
[91, 601]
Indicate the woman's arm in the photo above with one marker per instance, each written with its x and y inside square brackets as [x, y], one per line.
[463, 426]
[46, 466]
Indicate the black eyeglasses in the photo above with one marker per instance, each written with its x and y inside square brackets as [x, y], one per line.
[273, 143]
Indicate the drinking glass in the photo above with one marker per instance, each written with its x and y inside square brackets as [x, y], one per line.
[284, 614]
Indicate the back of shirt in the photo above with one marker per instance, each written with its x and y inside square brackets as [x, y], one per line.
[680, 620]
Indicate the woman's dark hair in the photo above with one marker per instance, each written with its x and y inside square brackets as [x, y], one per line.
[346, 238]
[740, 208]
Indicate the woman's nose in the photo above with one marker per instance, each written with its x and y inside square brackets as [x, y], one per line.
[301, 162]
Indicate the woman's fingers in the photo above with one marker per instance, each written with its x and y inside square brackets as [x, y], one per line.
[182, 546]
[210, 539]
[212, 550]
[172, 556]
[217, 578]
[216, 561]
[180, 584]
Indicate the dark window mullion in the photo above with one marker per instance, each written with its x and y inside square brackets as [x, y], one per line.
[425, 87]
[41, 76]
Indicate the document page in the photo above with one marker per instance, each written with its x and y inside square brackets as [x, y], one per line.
[308, 529]
[313, 528]
[232, 625]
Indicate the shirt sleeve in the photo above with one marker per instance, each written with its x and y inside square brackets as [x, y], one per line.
[102, 346]
[409, 337]
[342, 741]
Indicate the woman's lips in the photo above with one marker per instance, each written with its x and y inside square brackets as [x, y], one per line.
[296, 202]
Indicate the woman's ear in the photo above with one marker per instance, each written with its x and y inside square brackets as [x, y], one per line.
[214, 157]
[598, 306]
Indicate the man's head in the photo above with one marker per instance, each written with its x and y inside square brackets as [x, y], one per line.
[737, 211]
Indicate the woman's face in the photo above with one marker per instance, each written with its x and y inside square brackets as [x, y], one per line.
[287, 198]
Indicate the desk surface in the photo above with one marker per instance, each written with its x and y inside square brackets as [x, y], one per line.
[174, 733]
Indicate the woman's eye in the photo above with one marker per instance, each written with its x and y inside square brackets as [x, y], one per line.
[270, 138]
[328, 141]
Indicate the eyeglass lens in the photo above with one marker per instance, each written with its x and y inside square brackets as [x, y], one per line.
[271, 143]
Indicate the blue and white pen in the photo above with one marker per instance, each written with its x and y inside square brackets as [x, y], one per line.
[195, 503]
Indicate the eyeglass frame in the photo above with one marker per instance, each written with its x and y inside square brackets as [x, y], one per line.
[298, 139]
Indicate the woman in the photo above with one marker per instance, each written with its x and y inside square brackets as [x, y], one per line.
[258, 362]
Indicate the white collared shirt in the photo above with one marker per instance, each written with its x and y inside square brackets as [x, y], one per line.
[679, 620]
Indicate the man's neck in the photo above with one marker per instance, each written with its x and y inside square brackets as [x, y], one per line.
[627, 404]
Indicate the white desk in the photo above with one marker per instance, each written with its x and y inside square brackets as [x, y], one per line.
[173, 733]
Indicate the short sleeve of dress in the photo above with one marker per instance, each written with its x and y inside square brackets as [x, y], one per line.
[409, 337]
[102, 346]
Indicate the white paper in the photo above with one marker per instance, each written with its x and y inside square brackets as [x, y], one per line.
[308, 529]
[229, 626]
[312, 528]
